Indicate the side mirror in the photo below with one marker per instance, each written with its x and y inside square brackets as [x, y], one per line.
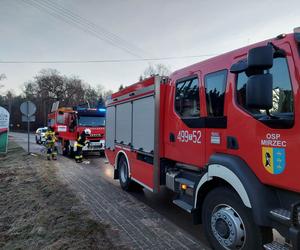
[260, 57]
[259, 92]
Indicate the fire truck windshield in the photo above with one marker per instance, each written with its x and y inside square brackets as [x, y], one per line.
[91, 121]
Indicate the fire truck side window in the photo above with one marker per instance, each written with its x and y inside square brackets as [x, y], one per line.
[215, 84]
[187, 103]
[283, 101]
[51, 122]
[60, 119]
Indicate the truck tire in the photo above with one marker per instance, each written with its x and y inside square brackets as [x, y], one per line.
[66, 148]
[228, 224]
[101, 153]
[125, 181]
[71, 151]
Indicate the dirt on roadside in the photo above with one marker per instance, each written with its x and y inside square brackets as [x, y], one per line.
[39, 212]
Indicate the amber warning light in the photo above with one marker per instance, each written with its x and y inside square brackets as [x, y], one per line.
[183, 186]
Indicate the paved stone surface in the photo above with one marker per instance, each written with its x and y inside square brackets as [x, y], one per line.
[140, 227]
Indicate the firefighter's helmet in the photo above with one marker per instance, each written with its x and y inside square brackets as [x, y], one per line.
[87, 131]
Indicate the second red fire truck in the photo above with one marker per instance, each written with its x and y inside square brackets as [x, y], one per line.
[68, 123]
[224, 136]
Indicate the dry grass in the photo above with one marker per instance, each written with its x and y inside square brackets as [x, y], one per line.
[39, 212]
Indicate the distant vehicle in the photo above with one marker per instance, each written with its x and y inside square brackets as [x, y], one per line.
[68, 123]
[40, 135]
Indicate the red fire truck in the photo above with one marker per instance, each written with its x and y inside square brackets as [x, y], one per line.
[223, 134]
[68, 123]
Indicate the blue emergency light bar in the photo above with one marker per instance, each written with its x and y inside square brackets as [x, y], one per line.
[80, 108]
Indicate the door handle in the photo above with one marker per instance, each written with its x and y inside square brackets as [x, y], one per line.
[232, 142]
[172, 137]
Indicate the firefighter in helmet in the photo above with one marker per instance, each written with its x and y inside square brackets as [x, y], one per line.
[50, 144]
[80, 143]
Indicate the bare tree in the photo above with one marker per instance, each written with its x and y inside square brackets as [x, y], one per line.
[30, 89]
[48, 86]
[2, 77]
[74, 92]
[102, 94]
[51, 84]
[91, 95]
[106, 94]
[158, 69]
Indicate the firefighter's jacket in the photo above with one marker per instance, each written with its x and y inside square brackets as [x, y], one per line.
[50, 137]
[82, 141]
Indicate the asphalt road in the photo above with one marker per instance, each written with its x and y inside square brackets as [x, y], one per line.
[97, 166]
[22, 140]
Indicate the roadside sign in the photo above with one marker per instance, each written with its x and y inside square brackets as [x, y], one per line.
[30, 118]
[4, 125]
[28, 108]
[55, 106]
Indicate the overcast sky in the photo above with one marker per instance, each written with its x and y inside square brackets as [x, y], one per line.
[44, 30]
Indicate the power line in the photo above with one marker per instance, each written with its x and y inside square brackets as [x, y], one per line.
[78, 25]
[90, 24]
[85, 25]
[101, 61]
[73, 22]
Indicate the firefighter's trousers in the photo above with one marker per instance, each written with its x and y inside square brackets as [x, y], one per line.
[78, 154]
[51, 151]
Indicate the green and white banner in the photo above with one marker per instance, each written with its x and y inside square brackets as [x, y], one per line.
[4, 124]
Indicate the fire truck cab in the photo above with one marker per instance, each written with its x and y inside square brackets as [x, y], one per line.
[68, 124]
[223, 134]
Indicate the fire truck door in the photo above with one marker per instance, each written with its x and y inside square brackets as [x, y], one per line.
[184, 126]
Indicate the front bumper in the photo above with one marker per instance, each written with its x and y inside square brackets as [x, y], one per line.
[95, 146]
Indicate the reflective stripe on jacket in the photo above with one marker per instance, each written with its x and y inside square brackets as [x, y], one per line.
[81, 141]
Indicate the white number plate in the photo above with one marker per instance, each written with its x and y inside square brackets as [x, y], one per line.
[186, 136]
[95, 143]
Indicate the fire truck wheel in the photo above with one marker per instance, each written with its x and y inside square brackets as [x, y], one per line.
[71, 151]
[66, 148]
[228, 224]
[124, 178]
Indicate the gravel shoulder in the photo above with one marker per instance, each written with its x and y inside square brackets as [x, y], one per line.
[38, 211]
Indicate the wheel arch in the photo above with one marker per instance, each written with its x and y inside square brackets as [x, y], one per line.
[232, 171]
[117, 158]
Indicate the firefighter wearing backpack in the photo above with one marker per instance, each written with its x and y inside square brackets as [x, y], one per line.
[80, 143]
[50, 144]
